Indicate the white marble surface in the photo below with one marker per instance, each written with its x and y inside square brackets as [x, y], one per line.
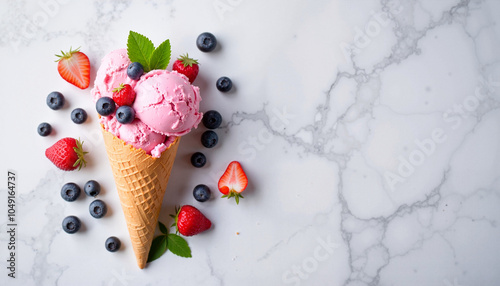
[369, 130]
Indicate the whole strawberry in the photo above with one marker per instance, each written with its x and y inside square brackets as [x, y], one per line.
[233, 181]
[190, 221]
[74, 67]
[186, 66]
[67, 154]
[124, 95]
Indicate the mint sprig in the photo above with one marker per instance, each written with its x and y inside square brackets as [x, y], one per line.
[162, 227]
[141, 49]
[158, 247]
[161, 56]
[178, 245]
[165, 241]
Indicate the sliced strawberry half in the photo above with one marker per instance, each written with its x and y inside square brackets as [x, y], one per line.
[74, 67]
[233, 181]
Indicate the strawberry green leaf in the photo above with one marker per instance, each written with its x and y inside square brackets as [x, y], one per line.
[119, 88]
[140, 49]
[234, 195]
[237, 196]
[158, 247]
[187, 61]
[162, 227]
[178, 245]
[81, 155]
[161, 56]
[67, 55]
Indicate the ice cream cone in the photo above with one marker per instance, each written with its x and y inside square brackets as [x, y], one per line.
[141, 181]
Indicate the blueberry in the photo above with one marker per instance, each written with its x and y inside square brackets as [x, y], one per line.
[112, 244]
[201, 193]
[206, 42]
[78, 115]
[224, 84]
[71, 224]
[135, 70]
[44, 129]
[92, 188]
[98, 209]
[212, 119]
[198, 160]
[55, 100]
[209, 139]
[70, 192]
[125, 114]
[105, 106]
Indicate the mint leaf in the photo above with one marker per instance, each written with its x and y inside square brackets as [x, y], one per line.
[160, 57]
[140, 49]
[162, 227]
[178, 245]
[158, 247]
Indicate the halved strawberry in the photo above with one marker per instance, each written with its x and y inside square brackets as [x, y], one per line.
[233, 181]
[74, 67]
[67, 154]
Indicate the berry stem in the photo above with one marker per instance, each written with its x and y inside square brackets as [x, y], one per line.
[187, 61]
[235, 195]
[67, 55]
[81, 155]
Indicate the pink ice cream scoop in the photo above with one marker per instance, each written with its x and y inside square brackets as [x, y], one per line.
[167, 102]
[111, 73]
[138, 135]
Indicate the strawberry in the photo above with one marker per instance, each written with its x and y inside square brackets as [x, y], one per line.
[190, 221]
[233, 181]
[74, 67]
[67, 154]
[186, 66]
[124, 95]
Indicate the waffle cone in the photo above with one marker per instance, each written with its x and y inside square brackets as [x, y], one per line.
[141, 181]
